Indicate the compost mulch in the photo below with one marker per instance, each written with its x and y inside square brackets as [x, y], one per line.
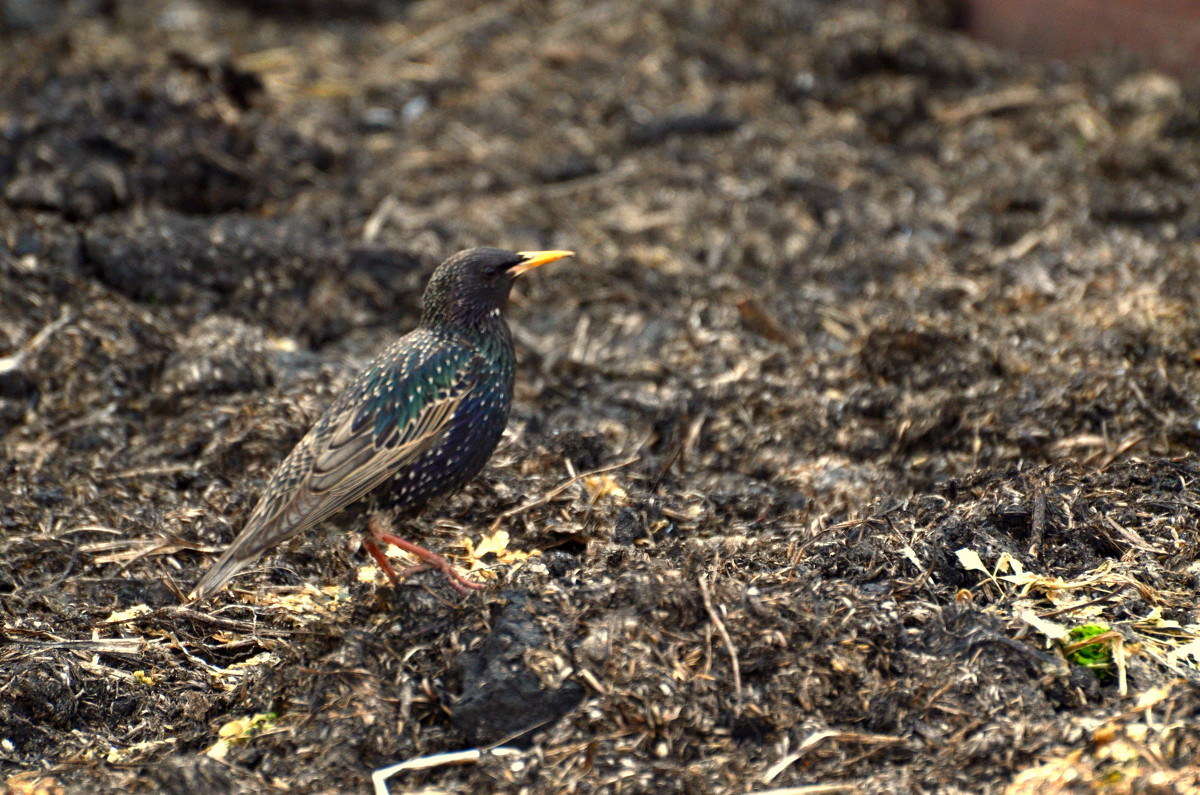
[875, 376]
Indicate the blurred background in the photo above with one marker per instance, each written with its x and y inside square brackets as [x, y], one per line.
[860, 283]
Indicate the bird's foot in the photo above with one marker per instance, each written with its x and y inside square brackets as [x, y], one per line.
[458, 581]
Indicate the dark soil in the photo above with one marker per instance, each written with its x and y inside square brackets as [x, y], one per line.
[878, 367]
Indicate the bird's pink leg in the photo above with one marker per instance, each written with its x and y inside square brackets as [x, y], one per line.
[432, 560]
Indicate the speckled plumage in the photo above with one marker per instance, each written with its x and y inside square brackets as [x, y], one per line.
[420, 420]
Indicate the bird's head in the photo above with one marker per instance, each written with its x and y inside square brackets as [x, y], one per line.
[473, 285]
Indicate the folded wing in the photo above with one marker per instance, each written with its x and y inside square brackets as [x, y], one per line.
[397, 409]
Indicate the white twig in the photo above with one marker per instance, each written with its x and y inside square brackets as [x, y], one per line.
[15, 360]
[380, 776]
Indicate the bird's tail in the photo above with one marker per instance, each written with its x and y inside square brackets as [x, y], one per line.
[256, 537]
[270, 523]
[230, 563]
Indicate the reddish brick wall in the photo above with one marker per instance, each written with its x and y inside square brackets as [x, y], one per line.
[1166, 32]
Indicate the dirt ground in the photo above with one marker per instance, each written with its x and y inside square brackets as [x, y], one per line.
[877, 374]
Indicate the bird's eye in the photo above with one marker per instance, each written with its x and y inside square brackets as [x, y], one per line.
[495, 270]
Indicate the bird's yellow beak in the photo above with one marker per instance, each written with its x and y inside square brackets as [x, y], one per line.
[536, 259]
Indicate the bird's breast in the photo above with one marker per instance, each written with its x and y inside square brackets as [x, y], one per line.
[463, 449]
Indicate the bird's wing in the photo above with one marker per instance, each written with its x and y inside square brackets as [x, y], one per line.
[398, 408]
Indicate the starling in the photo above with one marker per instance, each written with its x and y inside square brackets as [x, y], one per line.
[419, 421]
